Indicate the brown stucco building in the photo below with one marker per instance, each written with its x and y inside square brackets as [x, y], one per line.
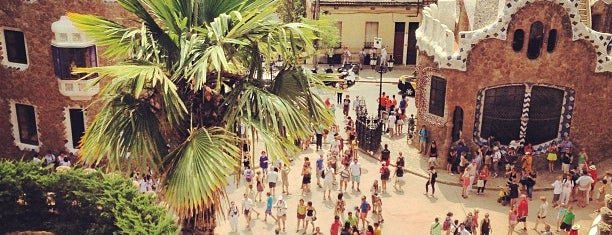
[42, 106]
[525, 70]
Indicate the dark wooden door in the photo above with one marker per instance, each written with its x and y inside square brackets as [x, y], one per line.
[412, 50]
[398, 42]
[457, 123]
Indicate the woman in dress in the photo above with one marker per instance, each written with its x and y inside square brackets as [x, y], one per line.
[311, 216]
[552, 156]
[259, 185]
[512, 220]
[485, 225]
[466, 181]
[306, 177]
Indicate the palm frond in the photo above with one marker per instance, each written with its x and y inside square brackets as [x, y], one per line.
[124, 134]
[196, 172]
[137, 77]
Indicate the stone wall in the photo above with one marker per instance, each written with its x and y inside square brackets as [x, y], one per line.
[571, 64]
[38, 85]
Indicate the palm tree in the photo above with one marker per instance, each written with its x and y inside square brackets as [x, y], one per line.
[187, 74]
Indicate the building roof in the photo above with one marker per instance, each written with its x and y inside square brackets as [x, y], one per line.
[374, 2]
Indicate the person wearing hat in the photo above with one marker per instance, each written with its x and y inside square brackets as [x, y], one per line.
[542, 212]
[593, 173]
[281, 208]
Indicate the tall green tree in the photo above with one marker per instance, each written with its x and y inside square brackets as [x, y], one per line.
[292, 10]
[188, 74]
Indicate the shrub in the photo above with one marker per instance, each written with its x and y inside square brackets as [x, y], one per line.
[76, 202]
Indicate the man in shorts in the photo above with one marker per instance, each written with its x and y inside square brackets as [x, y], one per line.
[364, 208]
[328, 178]
[272, 180]
[281, 207]
[523, 211]
[247, 207]
[355, 169]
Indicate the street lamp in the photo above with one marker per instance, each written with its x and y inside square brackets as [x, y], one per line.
[381, 69]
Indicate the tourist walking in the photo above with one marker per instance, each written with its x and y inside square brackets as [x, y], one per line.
[512, 220]
[335, 226]
[328, 177]
[364, 208]
[465, 177]
[259, 185]
[355, 170]
[263, 163]
[542, 212]
[233, 213]
[399, 179]
[311, 217]
[567, 220]
[269, 205]
[566, 190]
[431, 180]
[344, 178]
[272, 180]
[436, 227]
[340, 205]
[485, 225]
[301, 214]
[385, 174]
[281, 210]
[247, 208]
[447, 224]
[285, 178]
[557, 189]
[423, 134]
[481, 183]
[523, 211]
[433, 154]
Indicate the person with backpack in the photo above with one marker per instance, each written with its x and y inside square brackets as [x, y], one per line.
[436, 227]
[448, 221]
[233, 214]
[399, 178]
[433, 175]
[385, 174]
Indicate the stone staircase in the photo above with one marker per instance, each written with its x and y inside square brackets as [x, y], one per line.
[584, 9]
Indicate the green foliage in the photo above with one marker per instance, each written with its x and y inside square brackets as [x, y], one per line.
[328, 33]
[292, 10]
[76, 202]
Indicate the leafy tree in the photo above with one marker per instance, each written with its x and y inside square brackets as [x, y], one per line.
[292, 10]
[76, 202]
[189, 73]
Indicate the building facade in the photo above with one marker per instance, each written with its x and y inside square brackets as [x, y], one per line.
[361, 22]
[526, 70]
[43, 107]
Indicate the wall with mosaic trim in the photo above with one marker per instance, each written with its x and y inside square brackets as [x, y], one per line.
[437, 39]
[37, 85]
[493, 62]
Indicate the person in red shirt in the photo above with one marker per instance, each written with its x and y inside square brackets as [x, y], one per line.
[381, 102]
[523, 211]
[335, 227]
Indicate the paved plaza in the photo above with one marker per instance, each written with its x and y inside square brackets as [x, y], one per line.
[407, 212]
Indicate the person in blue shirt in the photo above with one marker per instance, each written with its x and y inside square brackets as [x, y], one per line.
[319, 169]
[423, 134]
[269, 202]
[263, 163]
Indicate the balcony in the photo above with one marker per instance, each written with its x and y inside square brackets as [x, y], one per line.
[78, 89]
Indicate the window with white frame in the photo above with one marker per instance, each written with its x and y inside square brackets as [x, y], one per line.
[66, 59]
[15, 53]
[25, 126]
[75, 127]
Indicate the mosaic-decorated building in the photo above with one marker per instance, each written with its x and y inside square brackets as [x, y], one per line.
[42, 105]
[527, 70]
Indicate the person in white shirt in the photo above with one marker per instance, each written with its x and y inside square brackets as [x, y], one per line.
[355, 170]
[328, 178]
[281, 208]
[542, 212]
[392, 122]
[142, 185]
[584, 186]
[473, 171]
[566, 190]
[557, 189]
[462, 230]
[233, 213]
[247, 207]
[272, 180]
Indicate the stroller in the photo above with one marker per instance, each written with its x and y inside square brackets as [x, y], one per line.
[504, 195]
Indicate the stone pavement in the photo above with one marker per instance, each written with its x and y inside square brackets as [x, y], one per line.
[404, 212]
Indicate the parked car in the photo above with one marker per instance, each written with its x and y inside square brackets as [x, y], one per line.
[407, 85]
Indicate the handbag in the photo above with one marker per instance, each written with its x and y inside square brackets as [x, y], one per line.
[480, 183]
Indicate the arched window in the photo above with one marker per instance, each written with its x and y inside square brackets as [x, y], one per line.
[552, 40]
[536, 38]
[519, 38]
